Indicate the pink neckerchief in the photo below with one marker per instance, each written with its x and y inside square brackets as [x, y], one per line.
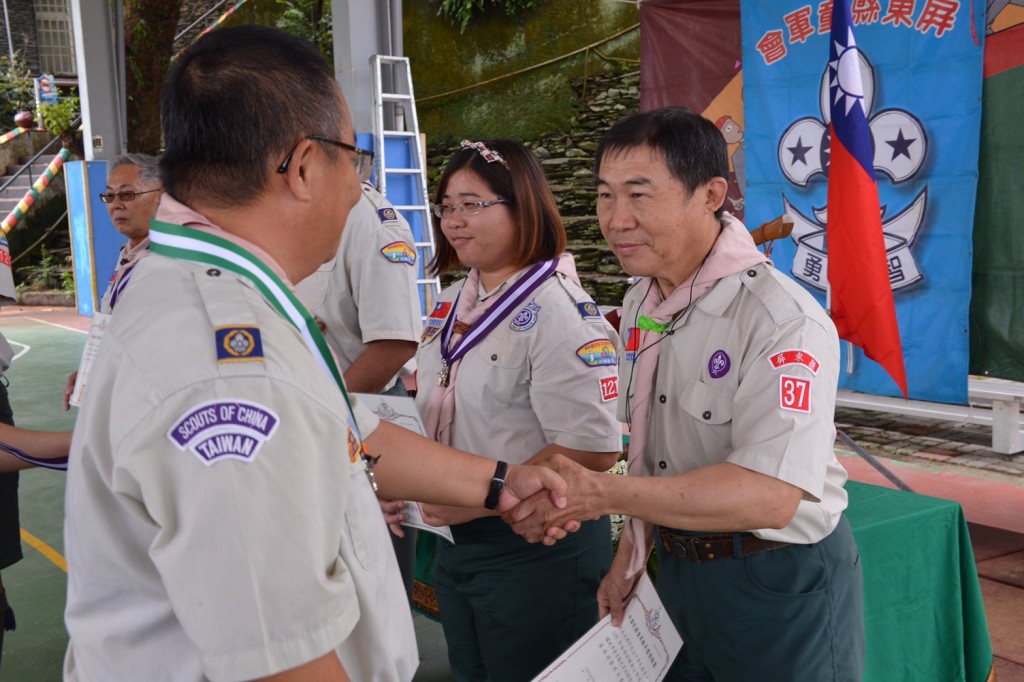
[441, 410]
[126, 262]
[173, 211]
[733, 251]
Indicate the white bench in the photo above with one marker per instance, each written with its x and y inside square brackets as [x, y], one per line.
[992, 401]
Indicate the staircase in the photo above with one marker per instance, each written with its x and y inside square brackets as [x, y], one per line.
[10, 197]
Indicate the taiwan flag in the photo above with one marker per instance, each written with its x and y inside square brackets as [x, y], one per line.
[858, 269]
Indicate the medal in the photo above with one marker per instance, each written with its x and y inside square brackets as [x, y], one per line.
[442, 374]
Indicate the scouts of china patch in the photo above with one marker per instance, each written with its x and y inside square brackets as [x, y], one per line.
[589, 309]
[632, 343]
[224, 429]
[609, 388]
[794, 356]
[525, 318]
[795, 393]
[435, 321]
[399, 252]
[355, 448]
[238, 344]
[387, 213]
[597, 353]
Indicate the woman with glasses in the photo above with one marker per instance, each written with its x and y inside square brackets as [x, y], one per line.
[515, 363]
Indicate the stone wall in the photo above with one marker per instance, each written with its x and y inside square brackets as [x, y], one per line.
[22, 16]
[568, 160]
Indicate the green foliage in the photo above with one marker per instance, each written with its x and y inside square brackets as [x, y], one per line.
[461, 11]
[52, 271]
[58, 116]
[309, 20]
[16, 91]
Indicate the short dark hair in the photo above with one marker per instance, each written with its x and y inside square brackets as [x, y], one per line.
[235, 102]
[540, 235]
[693, 147]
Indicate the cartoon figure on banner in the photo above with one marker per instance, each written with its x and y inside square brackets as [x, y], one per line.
[900, 145]
[733, 134]
[46, 90]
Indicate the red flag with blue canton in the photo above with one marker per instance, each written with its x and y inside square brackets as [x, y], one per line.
[858, 270]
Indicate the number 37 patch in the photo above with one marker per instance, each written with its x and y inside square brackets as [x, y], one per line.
[795, 393]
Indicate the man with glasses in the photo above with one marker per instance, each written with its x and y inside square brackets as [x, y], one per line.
[131, 196]
[220, 517]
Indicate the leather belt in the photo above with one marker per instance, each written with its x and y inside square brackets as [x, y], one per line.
[701, 548]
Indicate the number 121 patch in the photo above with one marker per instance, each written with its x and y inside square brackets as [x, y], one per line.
[795, 393]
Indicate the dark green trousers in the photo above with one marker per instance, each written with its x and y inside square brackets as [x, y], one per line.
[509, 608]
[794, 614]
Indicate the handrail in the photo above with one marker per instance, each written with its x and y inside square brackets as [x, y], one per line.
[28, 164]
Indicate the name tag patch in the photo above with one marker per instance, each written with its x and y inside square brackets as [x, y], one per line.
[435, 321]
[525, 318]
[399, 252]
[597, 353]
[238, 344]
[794, 356]
[224, 429]
[795, 393]
[609, 388]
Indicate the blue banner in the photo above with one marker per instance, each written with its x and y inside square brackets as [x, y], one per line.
[921, 72]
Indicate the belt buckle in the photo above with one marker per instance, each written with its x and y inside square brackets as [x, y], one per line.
[686, 548]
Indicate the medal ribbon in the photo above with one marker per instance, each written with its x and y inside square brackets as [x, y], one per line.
[185, 243]
[515, 295]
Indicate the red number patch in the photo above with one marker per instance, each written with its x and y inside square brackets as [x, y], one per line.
[609, 388]
[795, 393]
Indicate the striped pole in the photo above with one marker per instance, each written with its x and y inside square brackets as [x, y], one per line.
[33, 193]
[7, 137]
[221, 20]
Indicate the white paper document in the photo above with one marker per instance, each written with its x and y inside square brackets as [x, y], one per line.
[92, 346]
[640, 650]
[401, 411]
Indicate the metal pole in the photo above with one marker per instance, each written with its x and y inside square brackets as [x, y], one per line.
[7, 25]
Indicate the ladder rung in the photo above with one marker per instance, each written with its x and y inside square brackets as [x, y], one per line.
[398, 133]
[394, 97]
[403, 171]
[416, 207]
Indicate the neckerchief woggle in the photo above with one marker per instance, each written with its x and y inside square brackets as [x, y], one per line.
[522, 288]
[185, 243]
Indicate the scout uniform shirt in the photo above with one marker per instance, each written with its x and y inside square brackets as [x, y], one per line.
[127, 258]
[749, 377]
[368, 291]
[217, 526]
[545, 374]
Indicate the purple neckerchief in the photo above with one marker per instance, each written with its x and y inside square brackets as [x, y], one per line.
[522, 288]
[121, 284]
[59, 463]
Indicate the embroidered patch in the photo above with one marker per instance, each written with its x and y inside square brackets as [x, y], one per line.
[435, 321]
[355, 448]
[794, 357]
[399, 252]
[238, 344]
[597, 353]
[719, 364]
[795, 393]
[589, 309]
[609, 388]
[525, 318]
[387, 213]
[224, 429]
[632, 343]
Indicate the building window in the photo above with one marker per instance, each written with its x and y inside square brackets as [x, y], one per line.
[55, 38]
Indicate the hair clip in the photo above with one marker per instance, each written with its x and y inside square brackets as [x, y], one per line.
[490, 156]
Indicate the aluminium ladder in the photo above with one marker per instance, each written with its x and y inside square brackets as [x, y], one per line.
[400, 164]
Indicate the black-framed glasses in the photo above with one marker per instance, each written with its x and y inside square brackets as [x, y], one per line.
[465, 208]
[127, 195]
[363, 160]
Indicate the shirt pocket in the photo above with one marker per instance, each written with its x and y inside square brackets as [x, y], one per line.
[708, 404]
[507, 380]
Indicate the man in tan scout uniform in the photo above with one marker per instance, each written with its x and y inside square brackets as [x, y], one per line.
[728, 373]
[221, 522]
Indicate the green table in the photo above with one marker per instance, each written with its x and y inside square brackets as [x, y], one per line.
[923, 613]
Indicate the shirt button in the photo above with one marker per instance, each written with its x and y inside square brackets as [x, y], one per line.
[662, 399]
[707, 414]
[494, 357]
[663, 464]
[213, 272]
[751, 273]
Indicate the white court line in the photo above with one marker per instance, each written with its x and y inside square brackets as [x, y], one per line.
[54, 324]
[24, 348]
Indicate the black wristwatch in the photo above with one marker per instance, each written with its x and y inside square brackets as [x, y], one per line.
[497, 483]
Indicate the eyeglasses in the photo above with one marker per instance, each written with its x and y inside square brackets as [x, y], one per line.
[465, 207]
[363, 160]
[128, 195]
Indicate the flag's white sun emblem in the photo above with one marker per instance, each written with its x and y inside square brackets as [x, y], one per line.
[845, 81]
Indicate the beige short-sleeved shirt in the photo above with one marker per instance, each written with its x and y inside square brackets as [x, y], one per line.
[216, 527]
[368, 291]
[545, 375]
[749, 377]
